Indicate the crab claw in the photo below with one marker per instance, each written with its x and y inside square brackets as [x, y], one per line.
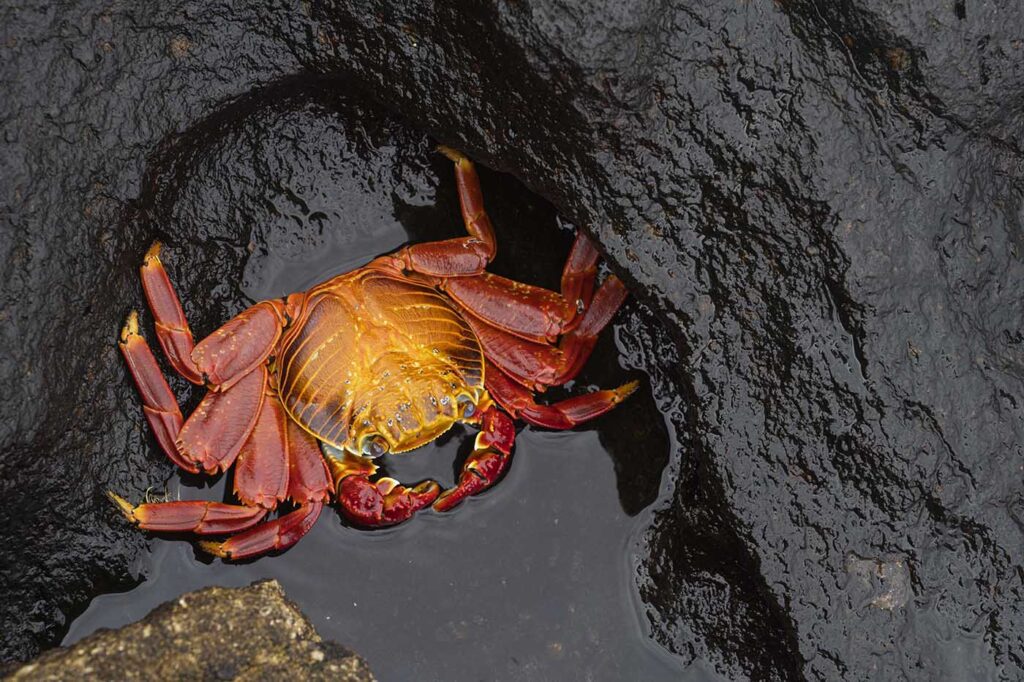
[483, 468]
[488, 461]
[384, 502]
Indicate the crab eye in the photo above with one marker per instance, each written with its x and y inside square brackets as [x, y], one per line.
[468, 408]
[374, 446]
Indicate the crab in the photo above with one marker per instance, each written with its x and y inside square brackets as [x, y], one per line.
[305, 392]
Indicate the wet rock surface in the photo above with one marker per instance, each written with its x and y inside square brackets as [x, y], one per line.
[818, 205]
[250, 633]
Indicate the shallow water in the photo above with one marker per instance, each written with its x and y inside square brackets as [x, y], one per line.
[535, 579]
[529, 581]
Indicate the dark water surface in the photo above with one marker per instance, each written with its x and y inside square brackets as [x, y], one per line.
[530, 581]
[535, 579]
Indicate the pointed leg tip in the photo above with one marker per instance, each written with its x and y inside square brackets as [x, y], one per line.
[131, 326]
[614, 284]
[123, 505]
[153, 253]
[453, 154]
[214, 548]
[626, 390]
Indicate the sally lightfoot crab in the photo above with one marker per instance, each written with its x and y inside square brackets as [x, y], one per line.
[379, 360]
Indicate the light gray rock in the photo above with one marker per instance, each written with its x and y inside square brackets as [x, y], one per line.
[249, 633]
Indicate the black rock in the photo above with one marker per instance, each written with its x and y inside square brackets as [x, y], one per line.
[820, 203]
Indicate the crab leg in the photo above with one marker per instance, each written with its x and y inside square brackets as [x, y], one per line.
[374, 504]
[463, 255]
[489, 459]
[214, 432]
[579, 343]
[579, 271]
[281, 533]
[194, 516]
[308, 484]
[242, 344]
[172, 330]
[158, 401]
[538, 365]
[308, 477]
[224, 357]
[565, 414]
[261, 470]
[218, 428]
[531, 312]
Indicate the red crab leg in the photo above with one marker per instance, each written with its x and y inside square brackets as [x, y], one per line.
[193, 516]
[242, 344]
[261, 470]
[308, 477]
[538, 365]
[172, 328]
[158, 401]
[383, 502]
[579, 271]
[565, 414]
[224, 357]
[464, 255]
[490, 457]
[214, 433]
[530, 312]
[579, 343]
[526, 311]
[309, 484]
[281, 533]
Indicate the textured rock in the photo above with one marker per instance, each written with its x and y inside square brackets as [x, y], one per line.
[250, 633]
[821, 201]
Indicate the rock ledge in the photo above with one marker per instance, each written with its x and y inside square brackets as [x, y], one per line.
[218, 633]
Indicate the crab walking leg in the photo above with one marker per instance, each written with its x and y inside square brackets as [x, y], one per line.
[580, 271]
[531, 312]
[464, 255]
[309, 485]
[261, 470]
[193, 516]
[526, 311]
[214, 433]
[383, 502]
[281, 533]
[242, 344]
[578, 344]
[489, 459]
[565, 414]
[539, 365]
[224, 357]
[308, 477]
[471, 200]
[172, 328]
[158, 401]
